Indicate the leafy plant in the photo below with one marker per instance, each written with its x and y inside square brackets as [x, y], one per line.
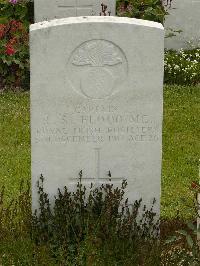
[14, 43]
[142, 9]
[184, 247]
[182, 67]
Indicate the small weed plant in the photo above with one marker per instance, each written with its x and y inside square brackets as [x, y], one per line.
[183, 247]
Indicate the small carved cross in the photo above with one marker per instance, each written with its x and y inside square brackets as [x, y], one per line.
[64, 5]
[97, 179]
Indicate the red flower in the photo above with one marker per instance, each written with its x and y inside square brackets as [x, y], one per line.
[15, 25]
[195, 185]
[10, 50]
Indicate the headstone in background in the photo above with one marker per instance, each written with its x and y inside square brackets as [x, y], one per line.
[96, 104]
[184, 16]
[51, 9]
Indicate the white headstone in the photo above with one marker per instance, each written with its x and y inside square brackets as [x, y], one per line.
[96, 103]
[184, 16]
[51, 9]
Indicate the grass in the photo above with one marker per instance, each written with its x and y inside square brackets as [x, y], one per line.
[181, 146]
[14, 140]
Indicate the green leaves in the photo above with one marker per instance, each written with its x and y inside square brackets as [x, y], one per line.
[190, 241]
[20, 11]
[182, 67]
[172, 239]
[180, 234]
[146, 9]
[192, 227]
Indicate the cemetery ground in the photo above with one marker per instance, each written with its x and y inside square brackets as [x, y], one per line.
[180, 152]
[180, 146]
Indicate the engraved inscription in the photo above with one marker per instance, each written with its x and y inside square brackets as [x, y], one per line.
[97, 68]
[80, 125]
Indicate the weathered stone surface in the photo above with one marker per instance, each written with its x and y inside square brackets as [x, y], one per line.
[51, 9]
[96, 103]
[184, 16]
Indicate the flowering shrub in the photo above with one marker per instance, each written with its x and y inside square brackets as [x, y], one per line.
[182, 67]
[14, 55]
[143, 9]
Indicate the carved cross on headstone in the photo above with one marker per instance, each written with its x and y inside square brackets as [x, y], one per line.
[97, 179]
[51, 9]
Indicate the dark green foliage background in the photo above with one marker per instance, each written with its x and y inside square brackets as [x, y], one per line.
[146, 9]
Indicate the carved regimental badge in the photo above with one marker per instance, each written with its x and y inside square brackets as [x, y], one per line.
[97, 68]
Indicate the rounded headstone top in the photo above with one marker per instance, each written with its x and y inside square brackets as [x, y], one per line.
[97, 19]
